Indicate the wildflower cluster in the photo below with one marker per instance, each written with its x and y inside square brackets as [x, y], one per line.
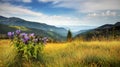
[28, 46]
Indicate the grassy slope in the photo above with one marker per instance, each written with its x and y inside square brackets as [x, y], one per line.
[75, 54]
[5, 28]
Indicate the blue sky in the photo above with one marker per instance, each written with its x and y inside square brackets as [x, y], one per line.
[63, 12]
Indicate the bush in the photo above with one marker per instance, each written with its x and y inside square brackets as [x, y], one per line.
[29, 47]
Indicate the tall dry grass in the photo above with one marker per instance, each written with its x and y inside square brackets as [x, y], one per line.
[83, 54]
[75, 54]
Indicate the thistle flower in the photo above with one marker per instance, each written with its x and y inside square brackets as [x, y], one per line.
[18, 32]
[44, 40]
[23, 34]
[32, 34]
[10, 34]
[25, 38]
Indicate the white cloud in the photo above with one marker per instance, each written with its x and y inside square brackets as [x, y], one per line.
[106, 13]
[16, 10]
[101, 5]
[27, 1]
[50, 1]
[9, 10]
[87, 5]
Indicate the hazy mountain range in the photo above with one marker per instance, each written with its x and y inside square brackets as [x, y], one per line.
[41, 29]
[13, 21]
[107, 30]
[51, 35]
[56, 33]
[79, 28]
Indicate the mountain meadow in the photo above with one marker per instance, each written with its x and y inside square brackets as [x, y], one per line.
[31, 44]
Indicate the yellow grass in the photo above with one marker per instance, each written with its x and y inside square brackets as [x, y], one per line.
[81, 54]
[74, 54]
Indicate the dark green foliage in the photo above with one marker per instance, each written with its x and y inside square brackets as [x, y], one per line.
[69, 36]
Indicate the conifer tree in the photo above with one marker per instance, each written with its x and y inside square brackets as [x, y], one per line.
[69, 36]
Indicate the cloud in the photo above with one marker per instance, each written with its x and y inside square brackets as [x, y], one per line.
[24, 1]
[101, 5]
[103, 14]
[86, 5]
[45, 1]
[9, 10]
[93, 17]
[27, 1]
[16, 10]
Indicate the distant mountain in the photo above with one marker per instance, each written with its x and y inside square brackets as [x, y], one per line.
[117, 24]
[78, 28]
[106, 31]
[14, 21]
[1, 17]
[106, 26]
[78, 32]
[52, 35]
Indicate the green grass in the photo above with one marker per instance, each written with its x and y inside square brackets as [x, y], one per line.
[20, 27]
[74, 54]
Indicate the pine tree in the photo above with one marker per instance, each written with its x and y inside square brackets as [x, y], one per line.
[69, 36]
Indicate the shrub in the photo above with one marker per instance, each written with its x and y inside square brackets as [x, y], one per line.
[29, 47]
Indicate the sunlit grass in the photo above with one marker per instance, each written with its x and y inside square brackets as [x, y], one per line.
[81, 54]
[6, 52]
[20, 27]
[74, 54]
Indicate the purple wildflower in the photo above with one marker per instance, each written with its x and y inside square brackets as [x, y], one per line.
[31, 35]
[10, 34]
[25, 41]
[25, 38]
[45, 40]
[18, 32]
[23, 34]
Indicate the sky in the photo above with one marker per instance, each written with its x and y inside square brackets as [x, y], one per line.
[63, 12]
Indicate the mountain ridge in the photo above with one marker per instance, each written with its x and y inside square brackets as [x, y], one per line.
[106, 31]
[7, 28]
[14, 21]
